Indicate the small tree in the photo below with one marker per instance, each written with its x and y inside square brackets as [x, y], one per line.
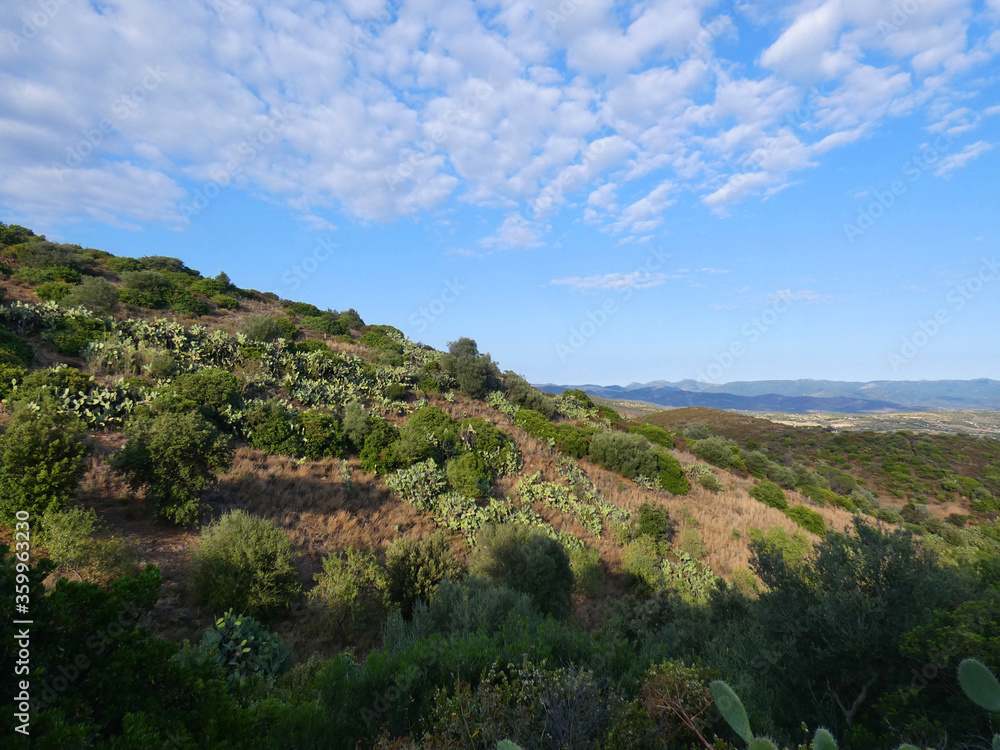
[416, 566]
[527, 560]
[175, 456]
[352, 590]
[96, 294]
[41, 460]
[476, 373]
[244, 562]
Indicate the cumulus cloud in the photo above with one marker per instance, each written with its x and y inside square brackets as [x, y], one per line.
[956, 161]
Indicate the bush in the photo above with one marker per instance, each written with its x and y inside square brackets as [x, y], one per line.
[146, 289]
[654, 522]
[711, 483]
[671, 474]
[536, 424]
[376, 455]
[175, 457]
[770, 494]
[96, 294]
[395, 392]
[325, 323]
[303, 308]
[415, 567]
[211, 387]
[69, 538]
[241, 646]
[322, 435]
[353, 590]
[272, 429]
[50, 383]
[697, 432]
[357, 423]
[652, 433]
[383, 338]
[624, 453]
[641, 561]
[519, 391]
[525, 559]
[22, 351]
[573, 441]
[476, 373]
[469, 475]
[691, 543]
[807, 518]
[588, 575]
[267, 329]
[244, 562]
[889, 514]
[224, 301]
[715, 451]
[49, 274]
[72, 334]
[188, 304]
[41, 461]
[490, 442]
[53, 291]
[120, 265]
[10, 374]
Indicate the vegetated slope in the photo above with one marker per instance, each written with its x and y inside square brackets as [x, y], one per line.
[326, 453]
[950, 473]
[676, 397]
[981, 394]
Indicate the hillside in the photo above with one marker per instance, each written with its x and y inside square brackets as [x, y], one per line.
[369, 507]
[806, 396]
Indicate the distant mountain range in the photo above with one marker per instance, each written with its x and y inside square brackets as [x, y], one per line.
[803, 396]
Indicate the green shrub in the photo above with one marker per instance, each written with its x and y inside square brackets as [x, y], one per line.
[51, 382]
[654, 522]
[395, 392]
[241, 646]
[53, 291]
[383, 338]
[10, 375]
[351, 319]
[120, 265]
[96, 294]
[770, 494]
[175, 457]
[519, 391]
[211, 387]
[188, 304]
[624, 453]
[357, 423]
[72, 334]
[524, 559]
[49, 274]
[70, 537]
[224, 301]
[219, 286]
[716, 451]
[272, 429]
[267, 329]
[671, 474]
[573, 441]
[146, 289]
[353, 590]
[697, 432]
[41, 461]
[807, 518]
[322, 435]
[303, 308]
[490, 442]
[690, 542]
[415, 567]
[244, 562]
[469, 475]
[588, 575]
[889, 514]
[376, 455]
[536, 424]
[711, 483]
[17, 346]
[641, 561]
[608, 413]
[652, 433]
[476, 373]
[325, 323]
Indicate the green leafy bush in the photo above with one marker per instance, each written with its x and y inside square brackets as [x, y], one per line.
[536, 424]
[690, 542]
[376, 455]
[624, 453]
[573, 441]
[770, 494]
[53, 291]
[322, 435]
[395, 392]
[71, 538]
[121, 265]
[272, 429]
[146, 289]
[525, 559]
[10, 375]
[41, 460]
[476, 373]
[244, 562]
[652, 433]
[175, 456]
[671, 474]
[383, 338]
[415, 567]
[224, 301]
[469, 475]
[588, 574]
[49, 274]
[241, 646]
[20, 349]
[188, 304]
[72, 334]
[519, 391]
[807, 518]
[265, 328]
[210, 387]
[490, 442]
[325, 323]
[654, 522]
[352, 591]
[96, 294]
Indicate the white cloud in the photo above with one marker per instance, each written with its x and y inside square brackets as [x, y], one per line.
[616, 281]
[803, 295]
[515, 232]
[956, 161]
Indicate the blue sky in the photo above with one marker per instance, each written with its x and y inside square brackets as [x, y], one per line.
[596, 192]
